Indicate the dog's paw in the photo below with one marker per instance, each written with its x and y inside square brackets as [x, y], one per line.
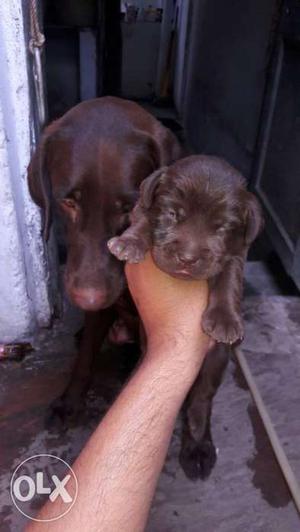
[198, 460]
[222, 325]
[127, 248]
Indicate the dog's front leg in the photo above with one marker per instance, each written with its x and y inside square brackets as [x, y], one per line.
[222, 319]
[66, 408]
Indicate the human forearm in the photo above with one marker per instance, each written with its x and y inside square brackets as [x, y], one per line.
[118, 469]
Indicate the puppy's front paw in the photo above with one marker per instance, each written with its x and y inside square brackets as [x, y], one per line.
[223, 326]
[127, 248]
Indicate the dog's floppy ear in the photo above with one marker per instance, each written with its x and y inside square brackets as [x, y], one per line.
[148, 187]
[39, 183]
[254, 221]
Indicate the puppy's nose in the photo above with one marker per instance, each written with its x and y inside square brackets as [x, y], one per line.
[187, 258]
[88, 299]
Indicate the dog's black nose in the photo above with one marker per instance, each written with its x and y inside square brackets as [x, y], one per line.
[187, 258]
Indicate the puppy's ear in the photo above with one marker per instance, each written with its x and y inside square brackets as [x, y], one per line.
[148, 187]
[39, 183]
[254, 221]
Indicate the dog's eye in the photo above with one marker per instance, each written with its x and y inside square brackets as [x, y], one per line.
[68, 203]
[177, 215]
[72, 199]
[76, 194]
[181, 214]
[70, 207]
[221, 229]
[172, 214]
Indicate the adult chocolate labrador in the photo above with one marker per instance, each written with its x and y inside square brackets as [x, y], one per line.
[87, 168]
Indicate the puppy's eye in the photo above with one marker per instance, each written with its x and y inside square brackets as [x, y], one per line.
[181, 214]
[177, 215]
[222, 229]
[172, 214]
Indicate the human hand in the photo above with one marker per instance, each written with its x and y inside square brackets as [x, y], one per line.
[171, 309]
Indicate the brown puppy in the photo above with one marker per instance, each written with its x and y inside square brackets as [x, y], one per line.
[198, 220]
[87, 169]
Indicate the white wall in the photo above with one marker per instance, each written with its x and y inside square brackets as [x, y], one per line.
[24, 293]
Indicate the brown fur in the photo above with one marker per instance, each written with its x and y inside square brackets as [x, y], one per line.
[88, 167]
[198, 220]
[87, 170]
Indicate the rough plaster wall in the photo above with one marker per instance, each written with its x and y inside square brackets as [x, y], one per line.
[24, 300]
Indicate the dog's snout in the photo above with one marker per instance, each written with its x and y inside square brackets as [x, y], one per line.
[187, 258]
[89, 299]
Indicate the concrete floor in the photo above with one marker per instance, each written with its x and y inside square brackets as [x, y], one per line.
[246, 491]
